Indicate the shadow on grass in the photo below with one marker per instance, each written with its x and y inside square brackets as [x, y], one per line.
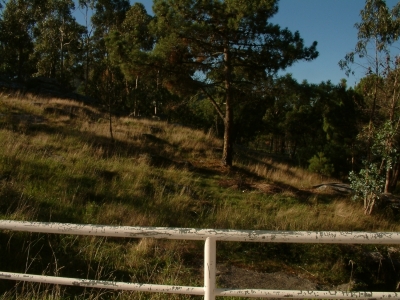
[153, 146]
[56, 255]
[156, 155]
[72, 111]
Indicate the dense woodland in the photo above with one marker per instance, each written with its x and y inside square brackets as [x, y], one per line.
[214, 65]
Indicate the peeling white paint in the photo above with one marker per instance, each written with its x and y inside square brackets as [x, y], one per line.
[210, 236]
[304, 237]
[210, 268]
[252, 293]
[102, 284]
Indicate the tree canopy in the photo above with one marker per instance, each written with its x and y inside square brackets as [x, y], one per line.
[376, 52]
[224, 49]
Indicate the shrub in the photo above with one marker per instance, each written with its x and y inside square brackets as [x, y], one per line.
[321, 165]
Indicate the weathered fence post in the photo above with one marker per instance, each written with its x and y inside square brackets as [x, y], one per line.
[210, 258]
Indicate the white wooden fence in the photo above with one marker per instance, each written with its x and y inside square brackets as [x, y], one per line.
[210, 236]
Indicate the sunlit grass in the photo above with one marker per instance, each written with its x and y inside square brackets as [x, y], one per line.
[59, 163]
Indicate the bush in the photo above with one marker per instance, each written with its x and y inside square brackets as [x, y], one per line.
[321, 165]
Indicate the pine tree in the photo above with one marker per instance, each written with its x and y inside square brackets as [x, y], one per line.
[225, 49]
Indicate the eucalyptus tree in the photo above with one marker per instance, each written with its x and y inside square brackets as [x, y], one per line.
[106, 79]
[86, 7]
[16, 39]
[108, 15]
[58, 40]
[129, 48]
[225, 49]
[375, 51]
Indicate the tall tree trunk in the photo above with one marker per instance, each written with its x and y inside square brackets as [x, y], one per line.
[228, 145]
[20, 51]
[387, 181]
[228, 120]
[135, 105]
[271, 145]
[62, 63]
[372, 113]
[395, 177]
[110, 118]
[216, 126]
[87, 68]
[87, 46]
[62, 50]
[392, 174]
[293, 152]
[110, 89]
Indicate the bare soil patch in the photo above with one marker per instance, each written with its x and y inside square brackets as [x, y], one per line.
[234, 277]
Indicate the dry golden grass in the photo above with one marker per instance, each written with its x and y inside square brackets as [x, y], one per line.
[286, 174]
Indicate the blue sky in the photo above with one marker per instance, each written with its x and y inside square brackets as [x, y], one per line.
[330, 23]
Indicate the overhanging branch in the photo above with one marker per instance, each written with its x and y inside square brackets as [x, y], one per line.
[214, 103]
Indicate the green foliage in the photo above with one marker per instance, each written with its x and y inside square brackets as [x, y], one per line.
[377, 33]
[320, 164]
[232, 63]
[16, 39]
[109, 15]
[385, 146]
[370, 182]
[128, 46]
[57, 41]
[304, 119]
[378, 28]
[368, 185]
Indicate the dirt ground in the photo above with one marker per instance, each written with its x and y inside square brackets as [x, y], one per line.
[234, 277]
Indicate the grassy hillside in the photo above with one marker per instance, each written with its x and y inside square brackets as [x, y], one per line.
[58, 163]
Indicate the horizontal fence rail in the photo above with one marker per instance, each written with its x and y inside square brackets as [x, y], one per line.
[210, 236]
[227, 235]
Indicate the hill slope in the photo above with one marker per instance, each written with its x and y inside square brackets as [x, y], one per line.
[58, 163]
